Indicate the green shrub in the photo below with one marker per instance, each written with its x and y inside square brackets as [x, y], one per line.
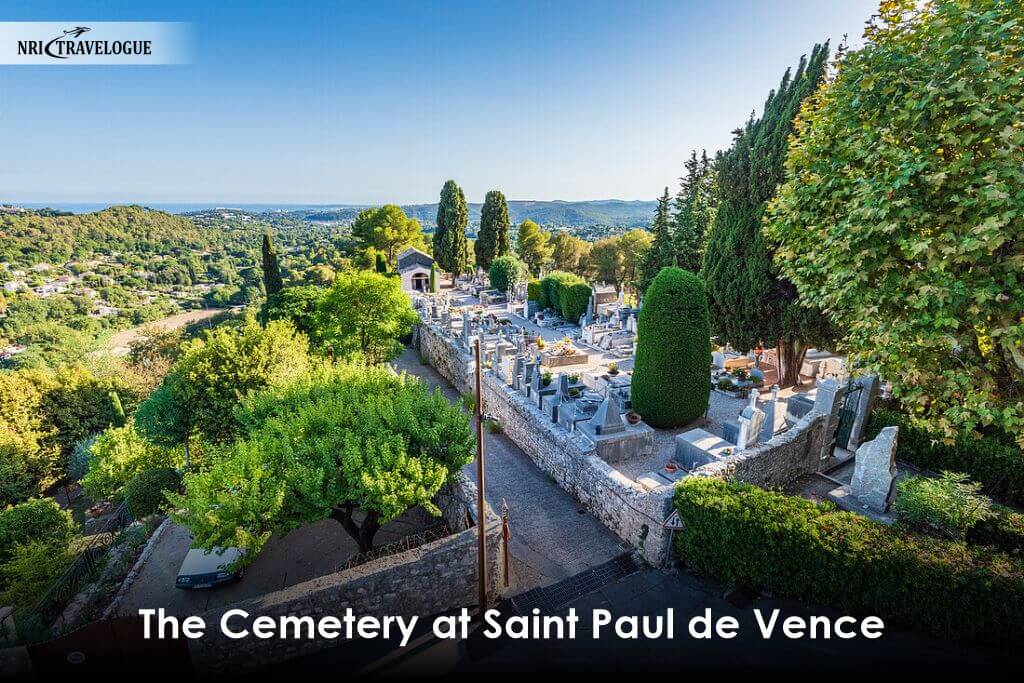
[39, 519]
[672, 372]
[574, 299]
[997, 464]
[549, 288]
[951, 504]
[533, 291]
[506, 271]
[120, 453]
[78, 462]
[798, 549]
[1003, 529]
[468, 401]
[144, 493]
[30, 573]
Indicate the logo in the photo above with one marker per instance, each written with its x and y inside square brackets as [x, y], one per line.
[68, 45]
[95, 42]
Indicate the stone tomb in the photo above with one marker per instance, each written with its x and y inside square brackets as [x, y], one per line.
[614, 438]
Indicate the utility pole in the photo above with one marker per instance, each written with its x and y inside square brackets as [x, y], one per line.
[481, 519]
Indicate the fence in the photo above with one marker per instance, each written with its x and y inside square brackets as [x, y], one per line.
[47, 617]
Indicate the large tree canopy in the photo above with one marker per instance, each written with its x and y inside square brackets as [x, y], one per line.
[492, 238]
[695, 206]
[750, 302]
[213, 374]
[365, 313]
[903, 209]
[450, 245]
[533, 246]
[340, 440]
[387, 230]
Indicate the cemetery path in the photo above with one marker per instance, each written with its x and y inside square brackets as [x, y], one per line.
[552, 536]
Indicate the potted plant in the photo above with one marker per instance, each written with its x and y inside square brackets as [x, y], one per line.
[574, 378]
[632, 418]
[545, 379]
[613, 368]
[574, 392]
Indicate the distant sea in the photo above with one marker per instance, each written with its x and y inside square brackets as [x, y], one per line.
[89, 207]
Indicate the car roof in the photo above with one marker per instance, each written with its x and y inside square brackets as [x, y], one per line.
[199, 561]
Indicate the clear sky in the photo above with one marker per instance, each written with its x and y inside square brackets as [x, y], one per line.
[346, 102]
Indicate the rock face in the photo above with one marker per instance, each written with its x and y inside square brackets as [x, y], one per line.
[874, 471]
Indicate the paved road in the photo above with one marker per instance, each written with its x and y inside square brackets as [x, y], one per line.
[553, 538]
[651, 592]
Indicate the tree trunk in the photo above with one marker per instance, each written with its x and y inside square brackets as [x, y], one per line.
[362, 534]
[791, 358]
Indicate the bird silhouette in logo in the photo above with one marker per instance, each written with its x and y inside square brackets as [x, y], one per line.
[76, 31]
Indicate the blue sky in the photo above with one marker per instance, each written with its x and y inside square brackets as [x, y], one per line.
[348, 102]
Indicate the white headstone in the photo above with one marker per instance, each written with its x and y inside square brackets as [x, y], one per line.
[874, 471]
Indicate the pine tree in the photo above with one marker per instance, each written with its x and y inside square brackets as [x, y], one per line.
[450, 236]
[492, 238]
[272, 282]
[694, 211]
[662, 251]
[750, 302]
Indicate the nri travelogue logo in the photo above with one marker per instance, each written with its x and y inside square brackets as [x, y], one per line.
[94, 43]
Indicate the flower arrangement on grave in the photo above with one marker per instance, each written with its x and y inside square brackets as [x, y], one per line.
[574, 392]
[545, 379]
[564, 348]
[574, 377]
[613, 368]
[540, 342]
[740, 374]
[725, 384]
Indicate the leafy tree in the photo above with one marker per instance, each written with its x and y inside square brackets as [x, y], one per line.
[145, 493]
[387, 230]
[662, 252]
[272, 282]
[29, 574]
[298, 305]
[695, 206]
[492, 238]
[750, 301]
[365, 313]
[29, 456]
[901, 210]
[341, 440]
[119, 454]
[39, 519]
[605, 262]
[450, 235]
[505, 272]
[569, 253]
[213, 374]
[672, 373]
[532, 245]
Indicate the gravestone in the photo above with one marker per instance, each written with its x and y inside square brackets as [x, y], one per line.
[517, 373]
[829, 401]
[874, 471]
[866, 402]
[717, 360]
[608, 418]
[768, 430]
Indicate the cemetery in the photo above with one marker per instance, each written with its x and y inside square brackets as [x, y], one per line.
[564, 393]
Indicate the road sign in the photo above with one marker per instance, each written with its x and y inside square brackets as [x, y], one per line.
[673, 522]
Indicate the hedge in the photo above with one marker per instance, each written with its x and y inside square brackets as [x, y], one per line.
[549, 288]
[506, 270]
[996, 464]
[1004, 530]
[39, 519]
[144, 493]
[574, 299]
[533, 292]
[799, 549]
[672, 372]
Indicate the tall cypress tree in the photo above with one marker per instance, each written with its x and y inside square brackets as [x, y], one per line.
[750, 301]
[492, 239]
[450, 237]
[662, 251]
[272, 281]
[694, 211]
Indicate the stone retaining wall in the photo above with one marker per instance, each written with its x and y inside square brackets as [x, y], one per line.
[427, 580]
[629, 510]
[778, 462]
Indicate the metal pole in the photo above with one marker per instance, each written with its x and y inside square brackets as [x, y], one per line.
[504, 536]
[481, 520]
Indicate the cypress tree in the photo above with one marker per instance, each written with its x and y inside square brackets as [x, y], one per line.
[272, 282]
[750, 302]
[492, 239]
[450, 236]
[662, 251]
[695, 211]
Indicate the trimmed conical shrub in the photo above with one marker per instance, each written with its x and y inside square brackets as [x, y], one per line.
[672, 372]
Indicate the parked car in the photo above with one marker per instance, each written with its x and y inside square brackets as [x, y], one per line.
[208, 568]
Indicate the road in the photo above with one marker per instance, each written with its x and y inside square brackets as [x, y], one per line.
[120, 342]
[553, 537]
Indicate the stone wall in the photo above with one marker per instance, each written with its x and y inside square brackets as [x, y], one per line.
[454, 364]
[778, 462]
[427, 580]
[632, 512]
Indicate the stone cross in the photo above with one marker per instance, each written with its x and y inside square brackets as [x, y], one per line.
[874, 471]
